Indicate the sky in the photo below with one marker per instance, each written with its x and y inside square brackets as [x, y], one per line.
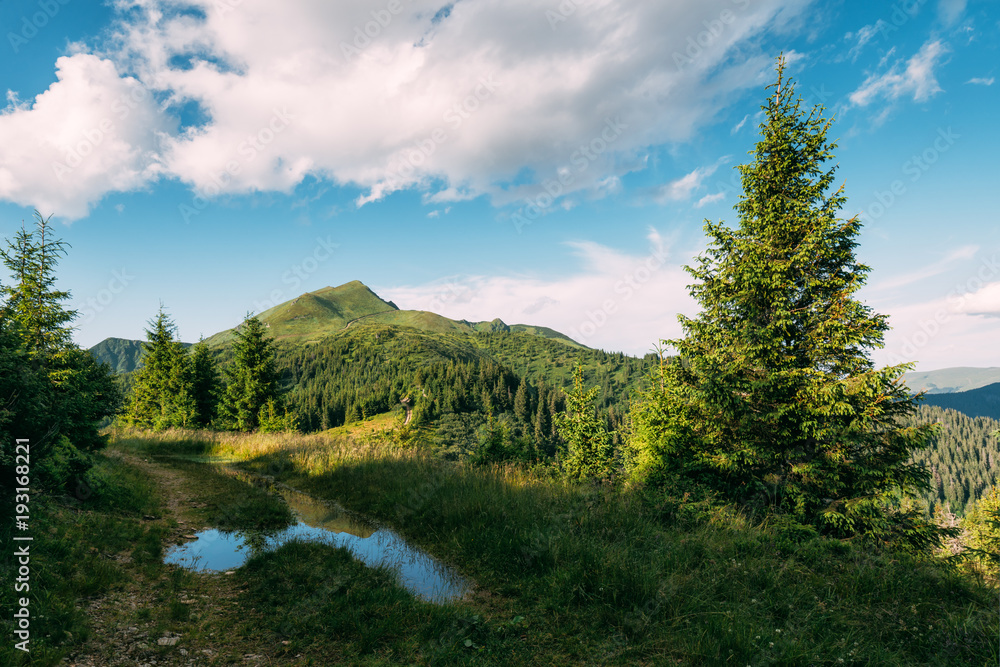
[545, 162]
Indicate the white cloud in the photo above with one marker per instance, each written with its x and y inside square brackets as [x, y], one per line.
[710, 199]
[683, 188]
[456, 107]
[981, 81]
[950, 11]
[93, 131]
[915, 79]
[959, 255]
[861, 38]
[984, 301]
[617, 301]
[739, 125]
[937, 335]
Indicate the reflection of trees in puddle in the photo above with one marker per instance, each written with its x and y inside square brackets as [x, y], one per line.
[318, 514]
[319, 521]
[257, 541]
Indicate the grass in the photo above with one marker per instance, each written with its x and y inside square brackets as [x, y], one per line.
[83, 545]
[572, 574]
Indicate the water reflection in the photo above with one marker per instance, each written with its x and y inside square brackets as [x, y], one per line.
[215, 550]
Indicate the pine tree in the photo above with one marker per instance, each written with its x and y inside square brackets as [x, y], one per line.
[251, 379]
[589, 454]
[51, 392]
[522, 407]
[773, 398]
[205, 385]
[163, 388]
[32, 301]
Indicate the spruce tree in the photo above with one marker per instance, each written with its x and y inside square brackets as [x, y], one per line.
[162, 393]
[251, 379]
[51, 392]
[205, 384]
[589, 453]
[32, 301]
[773, 398]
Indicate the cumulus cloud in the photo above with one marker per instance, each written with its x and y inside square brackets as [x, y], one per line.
[489, 97]
[93, 131]
[616, 301]
[984, 301]
[915, 78]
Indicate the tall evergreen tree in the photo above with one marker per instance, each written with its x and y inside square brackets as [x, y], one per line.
[205, 384]
[589, 454]
[32, 300]
[51, 392]
[163, 387]
[251, 379]
[773, 397]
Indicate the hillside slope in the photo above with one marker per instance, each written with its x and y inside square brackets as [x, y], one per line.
[981, 402]
[122, 354]
[313, 316]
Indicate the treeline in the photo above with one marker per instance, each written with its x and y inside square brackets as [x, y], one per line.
[468, 401]
[615, 374]
[371, 370]
[53, 395]
[175, 388]
[963, 459]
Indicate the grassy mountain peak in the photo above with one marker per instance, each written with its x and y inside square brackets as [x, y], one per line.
[316, 315]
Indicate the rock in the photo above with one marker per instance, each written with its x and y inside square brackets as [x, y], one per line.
[167, 641]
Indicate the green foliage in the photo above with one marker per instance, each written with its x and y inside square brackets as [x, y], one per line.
[162, 393]
[252, 387]
[33, 302]
[981, 530]
[773, 399]
[205, 384]
[963, 458]
[52, 394]
[589, 454]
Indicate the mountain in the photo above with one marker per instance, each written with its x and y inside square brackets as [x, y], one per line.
[122, 354]
[981, 402]
[316, 315]
[951, 380]
[345, 353]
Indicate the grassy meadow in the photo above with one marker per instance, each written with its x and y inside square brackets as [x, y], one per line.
[579, 574]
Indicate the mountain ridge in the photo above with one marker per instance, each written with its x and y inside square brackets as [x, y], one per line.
[313, 316]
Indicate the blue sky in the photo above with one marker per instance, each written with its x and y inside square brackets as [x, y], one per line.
[543, 162]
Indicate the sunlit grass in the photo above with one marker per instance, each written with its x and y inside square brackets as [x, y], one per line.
[598, 571]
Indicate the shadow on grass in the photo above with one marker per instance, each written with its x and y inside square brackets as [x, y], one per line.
[596, 571]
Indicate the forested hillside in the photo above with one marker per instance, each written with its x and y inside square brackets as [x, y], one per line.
[981, 402]
[964, 458]
[369, 369]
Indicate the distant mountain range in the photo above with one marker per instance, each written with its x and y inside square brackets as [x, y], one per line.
[974, 392]
[314, 316]
[121, 354]
[952, 380]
